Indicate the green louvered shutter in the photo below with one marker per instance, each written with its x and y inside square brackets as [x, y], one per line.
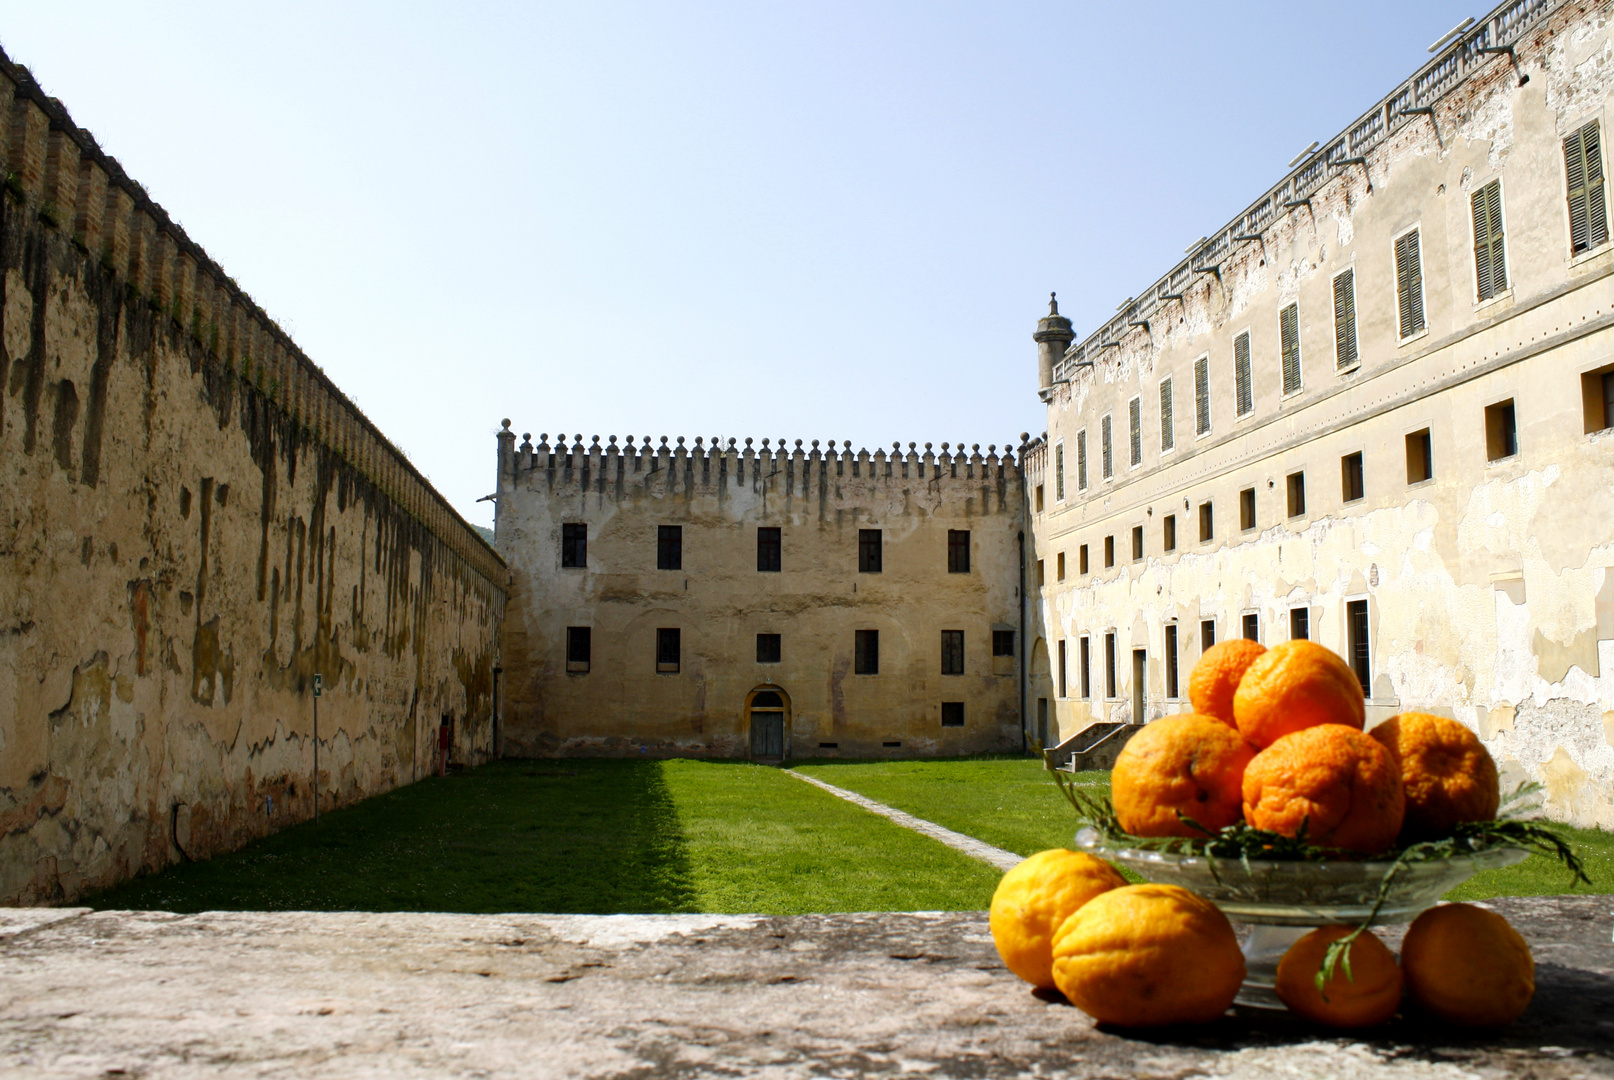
[1168, 435]
[1345, 320]
[1583, 169]
[1202, 395]
[1081, 460]
[1490, 267]
[1135, 411]
[1107, 449]
[1289, 329]
[1409, 283]
[1242, 387]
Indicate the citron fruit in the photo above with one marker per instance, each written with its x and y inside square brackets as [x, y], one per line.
[1185, 763]
[1338, 783]
[1448, 774]
[1466, 965]
[1034, 898]
[1148, 955]
[1369, 995]
[1293, 686]
[1216, 676]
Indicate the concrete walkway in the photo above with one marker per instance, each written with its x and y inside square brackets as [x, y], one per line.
[975, 849]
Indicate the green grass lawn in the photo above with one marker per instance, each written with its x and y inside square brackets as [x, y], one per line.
[583, 836]
[1011, 803]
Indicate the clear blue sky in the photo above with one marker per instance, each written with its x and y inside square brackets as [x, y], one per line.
[812, 220]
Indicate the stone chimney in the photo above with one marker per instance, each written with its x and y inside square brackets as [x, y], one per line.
[1053, 337]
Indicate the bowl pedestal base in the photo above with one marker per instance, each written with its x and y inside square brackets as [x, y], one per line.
[1263, 948]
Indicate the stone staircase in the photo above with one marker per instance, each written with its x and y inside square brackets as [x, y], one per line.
[1093, 747]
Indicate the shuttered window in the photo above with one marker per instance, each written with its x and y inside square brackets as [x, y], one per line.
[1289, 332]
[1202, 395]
[1345, 320]
[1081, 460]
[1243, 391]
[1134, 410]
[1409, 283]
[1490, 265]
[1059, 472]
[1583, 169]
[1168, 437]
[1104, 448]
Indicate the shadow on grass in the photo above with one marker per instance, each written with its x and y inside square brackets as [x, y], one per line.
[586, 837]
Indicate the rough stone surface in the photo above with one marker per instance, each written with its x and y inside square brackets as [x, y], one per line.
[321, 995]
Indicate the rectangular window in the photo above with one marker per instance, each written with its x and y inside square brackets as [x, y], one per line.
[1109, 552]
[1297, 494]
[1207, 634]
[768, 648]
[1352, 485]
[1059, 473]
[1420, 457]
[1085, 656]
[1137, 543]
[1490, 262]
[1299, 623]
[1059, 566]
[1289, 332]
[1409, 284]
[1207, 523]
[579, 647]
[1081, 559]
[1202, 395]
[952, 714]
[1171, 661]
[573, 545]
[1039, 498]
[1247, 509]
[1590, 384]
[1252, 627]
[1063, 686]
[1168, 432]
[1081, 460]
[958, 551]
[1003, 643]
[1168, 531]
[1345, 320]
[952, 652]
[669, 547]
[1583, 169]
[1106, 448]
[1501, 431]
[1040, 581]
[1109, 665]
[869, 560]
[669, 649]
[768, 549]
[1359, 655]
[1243, 387]
[1134, 410]
[866, 652]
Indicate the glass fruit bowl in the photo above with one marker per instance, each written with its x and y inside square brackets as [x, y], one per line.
[1273, 904]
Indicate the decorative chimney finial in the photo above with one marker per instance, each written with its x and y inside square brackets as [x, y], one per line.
[1053, 303]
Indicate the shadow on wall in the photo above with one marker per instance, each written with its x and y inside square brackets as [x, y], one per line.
[569, 837]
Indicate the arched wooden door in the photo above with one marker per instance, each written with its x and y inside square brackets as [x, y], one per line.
[767, 711]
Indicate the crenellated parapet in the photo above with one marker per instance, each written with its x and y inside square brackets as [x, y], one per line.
[60, 174]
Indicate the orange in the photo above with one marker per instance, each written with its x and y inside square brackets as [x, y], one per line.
[1466, 965]
[1292, 686]
[1338, 783]
[1034, 898]
[1369, 995]
[1188, 763]
[1448, 774]
[1148, 955]
[1214, 679]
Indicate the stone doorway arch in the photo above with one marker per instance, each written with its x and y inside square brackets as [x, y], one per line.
[767, 716]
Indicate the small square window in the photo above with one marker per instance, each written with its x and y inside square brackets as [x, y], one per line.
[579, 647]
[669, 650]
[1137, 543]
[866, 652]
[1059, 566]
[1207, 634]
[1003, 643]
[952, 652]
[1352, 484]
[768, 648]
[1168, 530]
[573, 545]
[952, 714]
[1501, 431]
[1247, 509]
[1420, 457]
[958, 551]
[869, 554]
[769, 553]
[1252, 627]
[1297, 494]
[1109, 552]
[1597, 399]
[1299, 623]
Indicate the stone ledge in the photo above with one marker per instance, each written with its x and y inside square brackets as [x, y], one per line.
[94, 994]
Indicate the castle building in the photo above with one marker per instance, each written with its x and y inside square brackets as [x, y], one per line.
[1376, 410]
[768, 602]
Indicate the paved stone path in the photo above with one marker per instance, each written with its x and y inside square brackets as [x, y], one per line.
[976, 849]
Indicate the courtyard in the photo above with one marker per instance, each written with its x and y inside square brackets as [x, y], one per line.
[678, 836]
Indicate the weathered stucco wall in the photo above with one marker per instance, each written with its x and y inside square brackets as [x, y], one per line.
[1490, 587]
[720, 601]
[194, 523]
